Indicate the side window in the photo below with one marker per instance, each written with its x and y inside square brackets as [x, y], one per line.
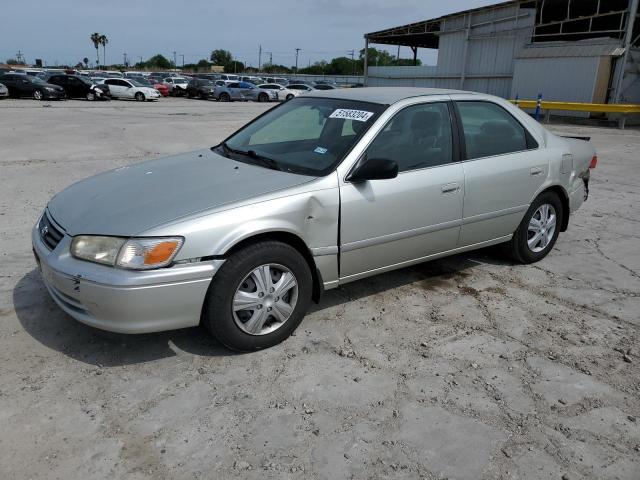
[416, 137]
[490, 130]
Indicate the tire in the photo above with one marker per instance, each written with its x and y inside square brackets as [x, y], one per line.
[530, 242]
[140, 97]
[91, 96]
[224, 97]
[201, 96]
[189, 94]
[37, 94]
[233, 328]
[263, 97]
[290, 96]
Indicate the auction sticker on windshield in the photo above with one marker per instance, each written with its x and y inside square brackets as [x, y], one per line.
[358, 115]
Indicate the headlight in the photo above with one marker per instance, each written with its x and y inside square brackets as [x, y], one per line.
[135, 253]
[49, 89]
[97, 249]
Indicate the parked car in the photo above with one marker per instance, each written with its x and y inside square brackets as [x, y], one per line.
[230, 77]
[177, 85]
[200, 88]
[130, 89]
[243, 91]
[317, 192]
[20, 85]
[283, 92]
[4, 91]
[151, 83]
[324, 86]
[300, 87]
[80, 87]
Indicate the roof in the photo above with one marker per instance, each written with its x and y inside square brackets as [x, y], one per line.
[381, 95]
[571, 49]
[425, 33]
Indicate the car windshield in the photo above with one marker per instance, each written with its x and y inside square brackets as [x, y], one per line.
[179, 80]
[85, 80]
[309, 136]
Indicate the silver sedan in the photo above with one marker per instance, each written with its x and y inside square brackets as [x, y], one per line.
[320, 191]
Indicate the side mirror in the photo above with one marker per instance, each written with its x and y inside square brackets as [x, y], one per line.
[374, 169]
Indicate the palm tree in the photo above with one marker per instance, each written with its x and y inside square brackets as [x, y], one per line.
[103, 41]
[95, 38]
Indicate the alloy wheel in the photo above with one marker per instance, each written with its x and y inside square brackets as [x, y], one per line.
[542, 227]
[265, 299]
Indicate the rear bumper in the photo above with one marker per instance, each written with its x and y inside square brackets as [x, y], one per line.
[120, 300]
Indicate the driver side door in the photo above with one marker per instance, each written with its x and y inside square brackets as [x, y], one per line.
[389, 223]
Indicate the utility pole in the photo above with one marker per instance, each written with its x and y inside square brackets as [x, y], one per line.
[124, 59]
[140, 57]
[259, 58]
[297, 51]
[175, 64]
[182, 55]
[353, 62]
[398, 56]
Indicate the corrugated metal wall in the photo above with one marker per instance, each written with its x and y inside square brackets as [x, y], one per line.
[566, 79]
[490, 37]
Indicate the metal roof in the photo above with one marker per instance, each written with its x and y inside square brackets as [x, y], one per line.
[381, 95]
[425, 33]
[571, 49]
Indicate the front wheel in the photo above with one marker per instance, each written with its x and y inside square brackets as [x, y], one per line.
[140, 97]
[537, 233]
[91, 96]
[37, 94]
[290, 96]
[258, 297]
[263, 97]
[224, 97]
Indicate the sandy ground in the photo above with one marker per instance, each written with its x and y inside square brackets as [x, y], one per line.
[464, 368]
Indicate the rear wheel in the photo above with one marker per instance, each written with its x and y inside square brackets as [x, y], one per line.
[224, 97]
[537, 233]
[259, 296]
[37, 94]
[91, 96]
[263, 97]
[140, 97]
[290, 96]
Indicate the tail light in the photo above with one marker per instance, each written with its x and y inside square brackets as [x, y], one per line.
[594, 162]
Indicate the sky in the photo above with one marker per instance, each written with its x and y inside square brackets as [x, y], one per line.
[58, 31]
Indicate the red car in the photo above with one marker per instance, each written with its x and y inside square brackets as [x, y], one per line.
[163, 89]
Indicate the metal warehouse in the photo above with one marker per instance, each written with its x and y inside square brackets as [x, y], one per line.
[566, 50]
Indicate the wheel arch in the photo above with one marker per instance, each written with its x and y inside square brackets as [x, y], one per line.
[564, 199]
[290, 239]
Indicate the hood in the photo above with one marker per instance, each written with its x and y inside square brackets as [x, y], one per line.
[130, 200]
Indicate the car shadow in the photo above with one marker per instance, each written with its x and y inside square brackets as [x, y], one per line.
[49, 325]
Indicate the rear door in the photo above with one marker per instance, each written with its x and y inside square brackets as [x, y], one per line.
[389, 223]
[503, 166]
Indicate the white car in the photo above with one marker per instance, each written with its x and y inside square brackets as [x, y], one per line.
[283, 92]
[176, 85]
[131, 89]
[300, 88]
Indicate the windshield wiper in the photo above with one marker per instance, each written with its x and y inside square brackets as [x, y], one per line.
[265, 161]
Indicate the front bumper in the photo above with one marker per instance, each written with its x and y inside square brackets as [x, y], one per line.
[119, 300]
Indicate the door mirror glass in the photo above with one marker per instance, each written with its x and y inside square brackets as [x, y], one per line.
[374, 169]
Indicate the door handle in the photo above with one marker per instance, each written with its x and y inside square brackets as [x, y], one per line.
[450, 187]
[535, 171]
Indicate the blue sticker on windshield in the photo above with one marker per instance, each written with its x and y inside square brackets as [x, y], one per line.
[321, 150]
